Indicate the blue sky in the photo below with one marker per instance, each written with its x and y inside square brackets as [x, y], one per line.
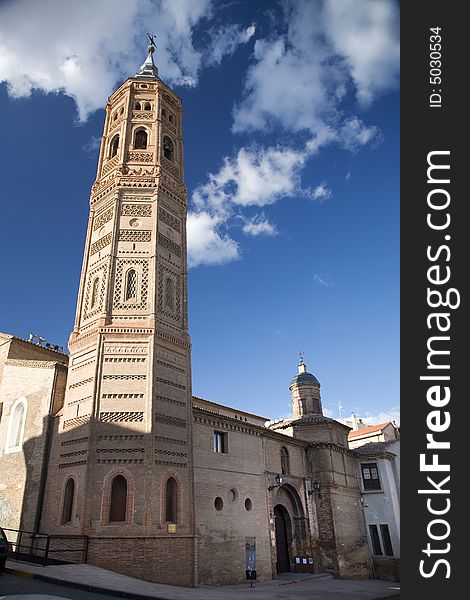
[291, 131]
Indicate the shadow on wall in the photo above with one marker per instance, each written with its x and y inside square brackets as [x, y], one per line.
[136, 523]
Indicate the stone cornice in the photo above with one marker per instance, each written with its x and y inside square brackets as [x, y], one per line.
[319, 420]
[385, 454]
[37, 364]
[335, 447]
[252, 428]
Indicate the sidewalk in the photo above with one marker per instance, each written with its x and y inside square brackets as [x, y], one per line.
[289, 586]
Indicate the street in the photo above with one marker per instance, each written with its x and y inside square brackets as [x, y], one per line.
[15, 584]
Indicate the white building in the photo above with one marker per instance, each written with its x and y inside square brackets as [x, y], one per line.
[379, 471]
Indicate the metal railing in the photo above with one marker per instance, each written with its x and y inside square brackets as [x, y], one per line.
[45, 548]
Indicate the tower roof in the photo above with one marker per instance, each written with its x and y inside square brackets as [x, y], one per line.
[303, 376]
[148, 69]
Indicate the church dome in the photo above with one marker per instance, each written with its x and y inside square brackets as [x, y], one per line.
[303, 376]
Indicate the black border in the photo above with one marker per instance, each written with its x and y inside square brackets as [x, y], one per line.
[425, 129]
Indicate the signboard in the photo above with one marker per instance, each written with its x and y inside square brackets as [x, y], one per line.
[250, 558]
[303, 564]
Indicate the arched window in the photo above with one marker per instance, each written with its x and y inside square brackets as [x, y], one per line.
[131, 285]
[16, 426]
[138, 106]
[169, 294]
[171, 500]
[68, 501]
[167, 148]
[94, 292]
[284, 461]
[114, 146]
[140, 141]
[147, 106]
[118, 504]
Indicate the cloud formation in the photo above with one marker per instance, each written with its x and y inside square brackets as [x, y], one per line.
[298, 82]
[84, 50]
[225, 41]
[298, 79]
[208, 245]
[259, 225]
[382, 417]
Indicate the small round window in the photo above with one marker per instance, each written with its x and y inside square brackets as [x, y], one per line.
[248, 504]
[232, 495]
[218, 503]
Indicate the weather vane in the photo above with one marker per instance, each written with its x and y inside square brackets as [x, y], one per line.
[151, 38]
[301, 354]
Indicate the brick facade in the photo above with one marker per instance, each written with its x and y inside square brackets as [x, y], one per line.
[122, 420]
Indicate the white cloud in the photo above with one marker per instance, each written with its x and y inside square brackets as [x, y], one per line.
[298, 80]
[259, 225]
[365, 33]
[206, 245]
[321, 280]
[254, 177]
[260, 176]
[353, 134]
[321, 192]
[83, 49]
[375, 418]
[225, 41]
[92, 146]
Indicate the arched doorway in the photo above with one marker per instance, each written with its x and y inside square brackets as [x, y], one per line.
[283, 529]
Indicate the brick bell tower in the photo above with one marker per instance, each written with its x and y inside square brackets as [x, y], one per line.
[124, 436]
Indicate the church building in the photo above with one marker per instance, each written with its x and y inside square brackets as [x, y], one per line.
[109, 442]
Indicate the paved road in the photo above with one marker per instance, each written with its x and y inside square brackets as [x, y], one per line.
[13, 584]
[288, 587]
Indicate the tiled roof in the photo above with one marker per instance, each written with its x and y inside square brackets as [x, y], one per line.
[355, 433]
[376, 447]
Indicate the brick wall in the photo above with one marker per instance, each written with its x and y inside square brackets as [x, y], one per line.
[162, 560]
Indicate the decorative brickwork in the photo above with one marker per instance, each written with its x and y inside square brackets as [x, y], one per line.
[101, 243]
[81, 440]
[170, 401]
[140, 157]
[172, 383]
[75, 422]
[168, 366]
[161, 438]
[136, 210]
[126, 377]
[103, 218]
[90, 311]
[169, 245]
[120, 417]
[122, 266]
[80, 383]
[120, 437]
[169, 219]
[167, 420]
[129, 235]
[110, 165]
[170, 307]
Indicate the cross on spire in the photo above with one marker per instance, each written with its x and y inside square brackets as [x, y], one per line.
[148, 69]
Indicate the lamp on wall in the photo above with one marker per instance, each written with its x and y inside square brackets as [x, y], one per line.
[278, 480]
[314, 488]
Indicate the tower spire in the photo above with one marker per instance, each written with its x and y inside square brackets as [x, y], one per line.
[302, 366]
[148, 69]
